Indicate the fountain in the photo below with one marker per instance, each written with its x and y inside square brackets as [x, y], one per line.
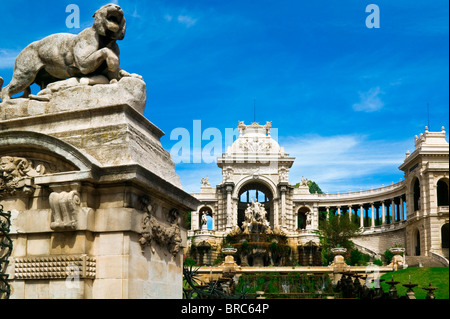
[410, 292]
[257, 244]
[430, 292]
[392, 290]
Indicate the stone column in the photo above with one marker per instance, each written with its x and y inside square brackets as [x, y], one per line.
[361, 216]
[393, 211]
[339, 210]
[283, 206]
[195, 220]
[229, 207]
[372, 213]
[234, 210]
[383, 213]
[402, 211]
[328, 212]
[275, 213]
[350, 212]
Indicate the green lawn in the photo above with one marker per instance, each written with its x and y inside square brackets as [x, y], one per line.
[437, 276]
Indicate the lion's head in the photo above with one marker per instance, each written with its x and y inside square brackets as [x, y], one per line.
[110, 22]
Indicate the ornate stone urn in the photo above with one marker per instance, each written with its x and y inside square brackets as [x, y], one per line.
[397, 260]
[229, 252]
[229, 266]
[339, 264]
[338, 251]
[397, 250]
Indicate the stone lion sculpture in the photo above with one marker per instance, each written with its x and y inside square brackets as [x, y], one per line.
[57, 57]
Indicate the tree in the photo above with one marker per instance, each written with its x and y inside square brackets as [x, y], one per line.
[313, 187]
[336, 231]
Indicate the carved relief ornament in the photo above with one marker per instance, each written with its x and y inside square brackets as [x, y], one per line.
[16, 174]
[153, 230]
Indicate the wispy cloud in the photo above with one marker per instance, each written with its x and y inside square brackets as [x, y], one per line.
[337, 163]
[369, 101]
[7, 58]
[188, 21]
[340, 163]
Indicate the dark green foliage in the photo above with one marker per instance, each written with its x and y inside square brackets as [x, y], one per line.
[388, 256]
[189, 262]
[336, 232]
[194, 288]
[378, 262]
[313, 187]
[293, 285]
[357, 258]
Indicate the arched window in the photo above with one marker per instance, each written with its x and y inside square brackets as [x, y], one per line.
[205, 218]
[444, 236]
[255, 192]
[416, 194]
[442, 193]
[302, 217]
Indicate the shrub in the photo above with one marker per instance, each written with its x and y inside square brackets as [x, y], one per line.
[378, 262]
[189, 262]
[388, 256]
[357, 258]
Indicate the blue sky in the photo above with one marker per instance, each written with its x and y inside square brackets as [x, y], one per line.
[347, 100]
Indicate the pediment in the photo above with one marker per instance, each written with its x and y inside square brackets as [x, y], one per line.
[45, 150]
[26, 156]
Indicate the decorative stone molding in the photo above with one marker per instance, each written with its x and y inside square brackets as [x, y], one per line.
[155, 231]
[283, 172]
[65, 206]
[55, 267]
[255, 145]
[16, 174]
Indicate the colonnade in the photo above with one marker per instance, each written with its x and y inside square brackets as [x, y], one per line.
[371, 214]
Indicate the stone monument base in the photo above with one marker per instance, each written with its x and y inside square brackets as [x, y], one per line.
[97, 208]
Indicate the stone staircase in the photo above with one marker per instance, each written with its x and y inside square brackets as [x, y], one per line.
[425, 261]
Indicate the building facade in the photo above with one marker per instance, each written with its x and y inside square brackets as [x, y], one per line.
[412, 213]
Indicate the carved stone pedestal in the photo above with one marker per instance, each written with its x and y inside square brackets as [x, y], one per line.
[97, 208]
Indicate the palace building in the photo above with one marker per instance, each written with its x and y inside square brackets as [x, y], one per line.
[413, 213]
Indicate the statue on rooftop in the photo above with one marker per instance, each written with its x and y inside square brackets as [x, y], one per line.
[93, 53]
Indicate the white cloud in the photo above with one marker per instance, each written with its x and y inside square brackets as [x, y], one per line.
[7, 58]
[370, 101]
[336, 163]
[340, 163]
[186, 20]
